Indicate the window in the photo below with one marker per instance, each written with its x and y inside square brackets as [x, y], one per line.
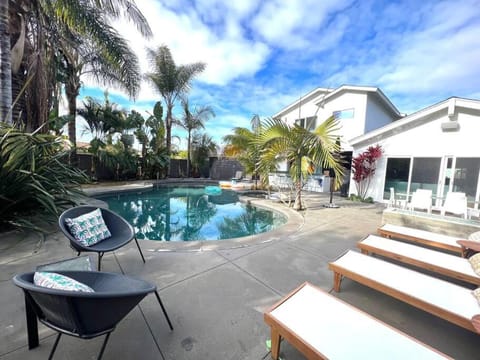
[396, 176]
[306, 123]
[425, 173]
[466, 177]
[344, 114]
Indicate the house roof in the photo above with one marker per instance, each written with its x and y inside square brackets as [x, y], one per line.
[417, 118]
[322, 95]
[303, 99]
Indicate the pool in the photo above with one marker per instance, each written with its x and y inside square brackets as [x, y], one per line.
[191, 213]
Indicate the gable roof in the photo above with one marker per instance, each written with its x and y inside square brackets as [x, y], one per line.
[417, 118]
[322, 95]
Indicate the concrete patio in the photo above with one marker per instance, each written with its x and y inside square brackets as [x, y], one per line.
[216, 293]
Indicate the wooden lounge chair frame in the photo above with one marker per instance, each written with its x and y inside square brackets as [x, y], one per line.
[427, 238]
[340, 272]
[334, 321]
[435, 261]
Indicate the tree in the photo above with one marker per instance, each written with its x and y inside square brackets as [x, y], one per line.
[66, 39]
[243, 144]
[171, 82]
[363, 169]
[203, 146]
[5, 66]
[301, 149]
[192, 120]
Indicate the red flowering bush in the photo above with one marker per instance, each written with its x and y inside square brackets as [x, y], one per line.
[363, 169]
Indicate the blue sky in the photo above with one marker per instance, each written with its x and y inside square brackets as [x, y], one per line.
[263, 55]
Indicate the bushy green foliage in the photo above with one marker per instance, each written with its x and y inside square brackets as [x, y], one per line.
[36, 182]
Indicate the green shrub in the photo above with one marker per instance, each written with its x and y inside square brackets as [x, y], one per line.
[36, 183]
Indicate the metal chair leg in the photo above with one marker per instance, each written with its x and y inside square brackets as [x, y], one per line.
[103, 346]
[50, 357]
[99, 266]
[139, 249]
[163, 309]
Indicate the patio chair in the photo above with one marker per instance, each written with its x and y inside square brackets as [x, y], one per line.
[85, 315]
[417, 289]
[453, 266]
[427, 238]
[455, 203]
[421, 199]
[121, 231]
[238, 176]
[318, 325]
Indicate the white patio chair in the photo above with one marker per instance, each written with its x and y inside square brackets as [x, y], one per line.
[421, 199]
[455, 203]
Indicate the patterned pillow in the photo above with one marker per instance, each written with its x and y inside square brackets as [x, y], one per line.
[60, 282]
[88, 228]
[475, 262]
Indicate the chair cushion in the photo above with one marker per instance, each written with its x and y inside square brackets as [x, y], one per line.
[89, 228]
[58, 281]
[475, 262]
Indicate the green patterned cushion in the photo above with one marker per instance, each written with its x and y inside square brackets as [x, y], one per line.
[60, 282]
[89, 228]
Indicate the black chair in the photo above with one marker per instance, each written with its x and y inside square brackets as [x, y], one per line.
[83, 314]
[122, 232]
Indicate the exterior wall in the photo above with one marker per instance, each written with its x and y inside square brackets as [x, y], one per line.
[424, 138]
[376, 115]
[350, 128]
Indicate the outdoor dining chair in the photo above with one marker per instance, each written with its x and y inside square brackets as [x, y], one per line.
[85, 315]
[121, 232]
[455, 203]
[421, 199]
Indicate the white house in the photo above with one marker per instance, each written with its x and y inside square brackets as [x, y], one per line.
[359, 109]
[434, 148]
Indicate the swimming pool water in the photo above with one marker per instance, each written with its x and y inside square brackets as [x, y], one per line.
[191, 213]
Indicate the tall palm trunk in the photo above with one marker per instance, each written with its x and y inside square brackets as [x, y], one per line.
[189, 147]
[168, 128]
[298, 186]
[5, 65]
[72, 90]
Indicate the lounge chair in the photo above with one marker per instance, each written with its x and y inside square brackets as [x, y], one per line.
[455, 203]
[318, 324]
[82, 314]
[421, 199]
[441, 298]
[438, 241]
[122, 232]
[446, 264]
[238, 176]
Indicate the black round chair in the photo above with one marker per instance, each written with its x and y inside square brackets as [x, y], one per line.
[84, 314]
[122, 232]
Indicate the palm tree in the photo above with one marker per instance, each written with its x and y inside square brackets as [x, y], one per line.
[243, 145]
[301, 149]
[191, 121]
[5, 65]
[171, 81]
[65, 39]
[203, 146]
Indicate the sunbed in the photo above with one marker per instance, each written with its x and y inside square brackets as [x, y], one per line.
[444, 299]
[436, 261]
[323, 327]
[428, 238]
